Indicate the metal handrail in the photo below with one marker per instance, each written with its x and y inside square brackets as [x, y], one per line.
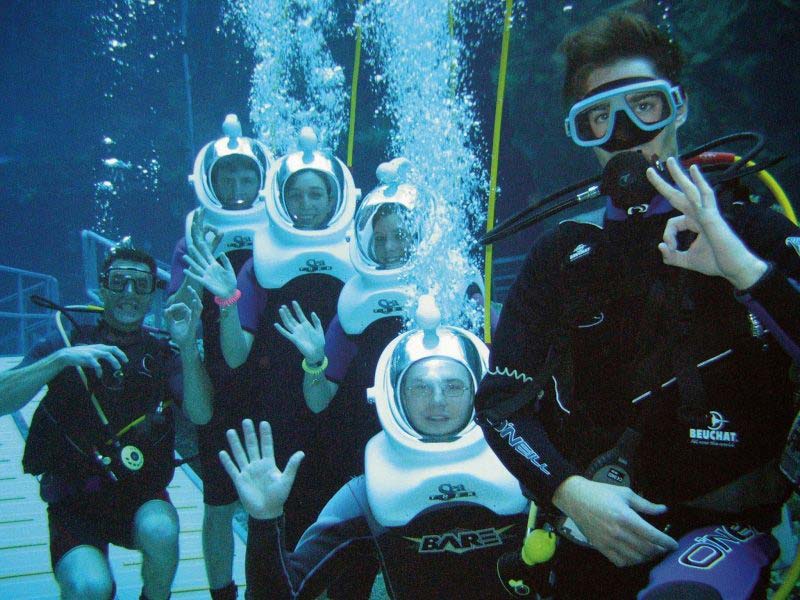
[29, 322]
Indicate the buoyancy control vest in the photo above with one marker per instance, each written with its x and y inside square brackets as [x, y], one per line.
[68, 443]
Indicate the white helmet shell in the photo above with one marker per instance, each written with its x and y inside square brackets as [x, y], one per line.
[379, 289]
[404, 469]
[284, 251]
[231, 144]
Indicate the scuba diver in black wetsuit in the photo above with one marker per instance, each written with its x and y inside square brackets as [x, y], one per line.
[103, 437]
[645, 406]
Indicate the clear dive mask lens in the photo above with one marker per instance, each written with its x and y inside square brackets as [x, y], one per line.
[117, 280]
[649, 105]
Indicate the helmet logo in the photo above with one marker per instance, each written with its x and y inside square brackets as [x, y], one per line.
[313, 265]
[386, 307]
[239, 242]
[448, 491]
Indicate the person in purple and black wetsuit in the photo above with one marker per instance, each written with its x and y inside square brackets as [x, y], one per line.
[229, 175]
[300, 255]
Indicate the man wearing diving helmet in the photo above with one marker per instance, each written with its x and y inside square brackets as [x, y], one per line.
[229, 175]
[434, 500]
[635, 401]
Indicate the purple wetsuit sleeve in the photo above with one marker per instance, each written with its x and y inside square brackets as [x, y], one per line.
[340, 351]
[177, 266]
[254, 298]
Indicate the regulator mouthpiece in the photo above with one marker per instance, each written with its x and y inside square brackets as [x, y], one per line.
[625, 180]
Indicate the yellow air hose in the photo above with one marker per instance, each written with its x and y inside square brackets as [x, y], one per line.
[498, 118]
[777, 191]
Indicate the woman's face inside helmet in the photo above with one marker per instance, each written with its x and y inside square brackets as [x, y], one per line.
[236, 181]
[392, 242]
[309, 200]
[437, 396]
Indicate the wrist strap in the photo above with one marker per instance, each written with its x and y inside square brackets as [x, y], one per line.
[315, 370]
[225, 302]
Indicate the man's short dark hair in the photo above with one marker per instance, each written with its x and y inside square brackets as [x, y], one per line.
[611, 37]
[131, 254]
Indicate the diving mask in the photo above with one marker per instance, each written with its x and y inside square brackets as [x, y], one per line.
[116, 280]
[640, 109]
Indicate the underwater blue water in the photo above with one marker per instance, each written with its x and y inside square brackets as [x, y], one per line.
[95, 130]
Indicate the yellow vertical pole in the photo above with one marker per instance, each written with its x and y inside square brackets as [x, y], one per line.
[498, 118]
[353, 92]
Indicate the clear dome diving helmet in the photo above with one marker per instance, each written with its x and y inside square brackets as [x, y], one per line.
[387, 230]
[229, 179]
[424, 391]
[310, 202]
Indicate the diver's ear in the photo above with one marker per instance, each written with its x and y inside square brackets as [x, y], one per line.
[683, 110]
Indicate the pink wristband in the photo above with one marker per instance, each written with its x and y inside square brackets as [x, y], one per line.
[225, 302]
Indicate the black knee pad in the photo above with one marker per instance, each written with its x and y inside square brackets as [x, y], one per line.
[685, 590]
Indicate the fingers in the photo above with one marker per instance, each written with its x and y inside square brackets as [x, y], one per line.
[315, 320]
[673, 196]
[225, 262]
[195, 261]
[646, 531]
[236, 448]
[251, 441]
[267, 445]
[290, 472]
[119, 354]
[675, 226]
[95, 364]
[196, 301]
[284, 332]
[707, 195]
[191, 275]
[228, 465]
[288, 318]
[301, 316]
[177, 312]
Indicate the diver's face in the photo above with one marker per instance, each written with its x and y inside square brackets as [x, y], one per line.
[125, 310]
[308, 201]
[236, 187]
[437, 396]
[391, 242]
[665, 144]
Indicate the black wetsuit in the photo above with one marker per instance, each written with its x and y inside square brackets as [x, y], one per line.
[66, 430]
[446, 552]
[232, 400]
[619, 341]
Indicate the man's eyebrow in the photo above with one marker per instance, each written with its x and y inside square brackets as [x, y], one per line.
[640, 95]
